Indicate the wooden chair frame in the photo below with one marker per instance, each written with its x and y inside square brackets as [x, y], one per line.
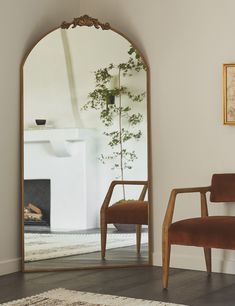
[166, 247]
[105, 205]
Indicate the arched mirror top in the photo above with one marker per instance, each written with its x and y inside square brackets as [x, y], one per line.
[73, 63]
[87, 21]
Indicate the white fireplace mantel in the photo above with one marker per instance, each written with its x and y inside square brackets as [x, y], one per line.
[73, 177]
[63, 141]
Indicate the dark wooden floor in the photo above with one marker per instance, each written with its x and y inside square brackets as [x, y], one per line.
[186, 287]
[117, 256]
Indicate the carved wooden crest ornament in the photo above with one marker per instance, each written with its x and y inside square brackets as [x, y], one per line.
[85, 20]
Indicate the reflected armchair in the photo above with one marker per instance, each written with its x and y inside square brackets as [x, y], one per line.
[132, 212]
[206, 231]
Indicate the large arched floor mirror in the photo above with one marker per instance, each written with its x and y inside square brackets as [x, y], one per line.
[85, 126]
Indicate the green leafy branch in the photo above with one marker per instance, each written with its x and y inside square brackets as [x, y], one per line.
[108, 101]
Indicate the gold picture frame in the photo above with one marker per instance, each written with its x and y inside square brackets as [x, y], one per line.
[229, 94]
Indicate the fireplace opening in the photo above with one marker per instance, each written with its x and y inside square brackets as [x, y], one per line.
[37, 202]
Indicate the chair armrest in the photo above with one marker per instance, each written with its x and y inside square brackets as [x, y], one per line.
[129, 182]
[171, 204]
[109, 194]
[191, 190]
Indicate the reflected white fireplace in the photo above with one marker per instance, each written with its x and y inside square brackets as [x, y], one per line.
[68, 157]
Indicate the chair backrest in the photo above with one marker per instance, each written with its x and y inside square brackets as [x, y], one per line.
[223, 188]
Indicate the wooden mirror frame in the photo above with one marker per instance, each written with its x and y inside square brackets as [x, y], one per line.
[85, 20]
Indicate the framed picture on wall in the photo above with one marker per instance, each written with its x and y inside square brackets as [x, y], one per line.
[229, 93]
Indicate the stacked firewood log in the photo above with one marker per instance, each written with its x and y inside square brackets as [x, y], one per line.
[32, 213]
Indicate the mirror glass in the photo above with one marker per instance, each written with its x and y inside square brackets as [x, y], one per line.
[85, 126]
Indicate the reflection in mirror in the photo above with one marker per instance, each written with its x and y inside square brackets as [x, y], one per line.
[85, 126]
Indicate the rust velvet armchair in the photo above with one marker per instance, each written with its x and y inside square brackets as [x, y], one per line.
[206, 231]
[131, 212]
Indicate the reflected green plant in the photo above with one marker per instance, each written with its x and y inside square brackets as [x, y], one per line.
[108, 102]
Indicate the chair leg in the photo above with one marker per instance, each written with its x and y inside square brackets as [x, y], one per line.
[138, 237]
[103, 232]
[207, 253]
[166, 251]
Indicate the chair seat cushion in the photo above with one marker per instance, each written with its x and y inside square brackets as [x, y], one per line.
[212, 232]
[131, 212]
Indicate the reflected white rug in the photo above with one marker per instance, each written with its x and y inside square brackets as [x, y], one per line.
[46, 246]
[64, 297]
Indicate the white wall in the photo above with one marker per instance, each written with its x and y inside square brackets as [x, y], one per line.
[46, 90]
[22, 23]
[185, 42]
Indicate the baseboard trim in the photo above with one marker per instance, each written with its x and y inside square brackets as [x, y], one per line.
[10, 266]
[196, 263]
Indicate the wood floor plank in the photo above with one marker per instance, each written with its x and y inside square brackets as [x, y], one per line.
[186, 287]
[118, 256]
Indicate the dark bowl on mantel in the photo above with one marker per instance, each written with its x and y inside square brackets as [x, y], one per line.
[40, 121]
